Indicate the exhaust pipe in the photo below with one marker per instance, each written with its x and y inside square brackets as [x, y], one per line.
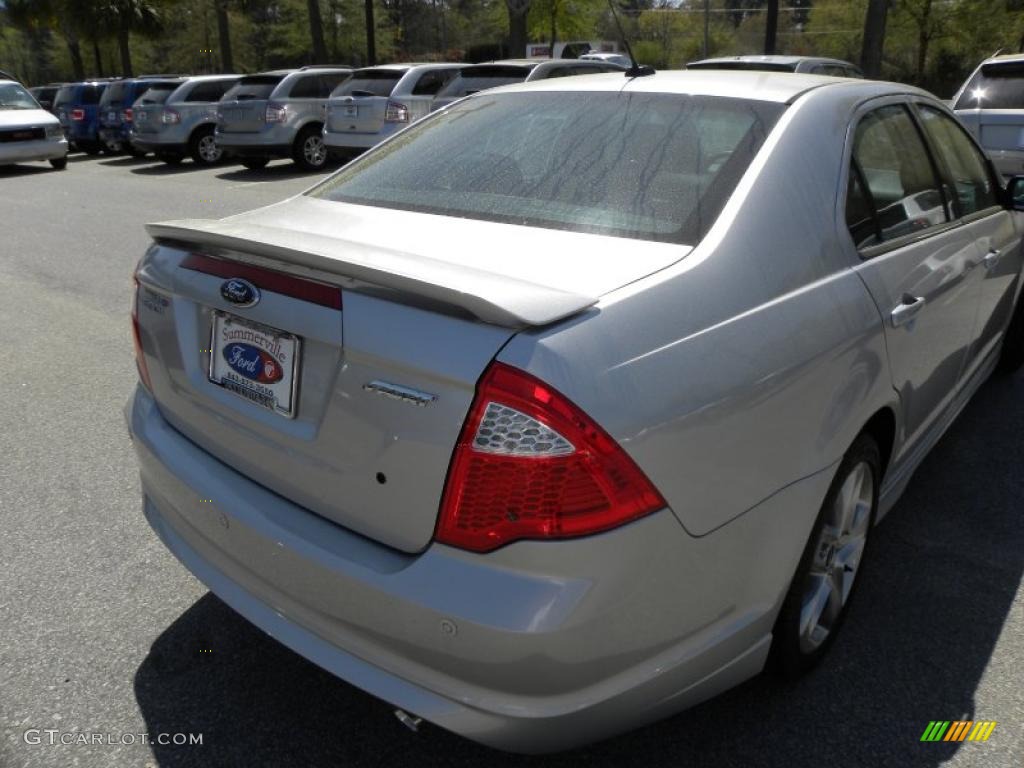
[409, 721]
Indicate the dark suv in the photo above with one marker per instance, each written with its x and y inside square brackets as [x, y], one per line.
[77, 108]
[115, 109]
[45, 95]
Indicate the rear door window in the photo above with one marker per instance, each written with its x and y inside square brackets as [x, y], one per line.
[253, 87]
[305, 87]
[994, 86]
[157, 93]
[898, 173]
[968, 173]
[331, 80]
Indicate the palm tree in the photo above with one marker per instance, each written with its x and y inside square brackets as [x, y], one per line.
[224, 34]
[127, 16]
[316, 31]
[66, 16]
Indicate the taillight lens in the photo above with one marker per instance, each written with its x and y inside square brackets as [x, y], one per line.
[170, 117]
[276, 113]
[396, 113]
[126, 115]
[530, 464]
[140, 358]
[78, 115]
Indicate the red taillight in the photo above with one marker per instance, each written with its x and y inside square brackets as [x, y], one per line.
[140, 359]
[297, 287]
[529, 464]
[78, 114]
[276, 113]
[126, 115]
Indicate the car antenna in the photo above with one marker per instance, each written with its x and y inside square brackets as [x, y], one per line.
[635, 70]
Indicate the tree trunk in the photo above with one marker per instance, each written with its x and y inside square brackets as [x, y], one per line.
[316, 31]
[75, 53]
[224, 35]
[771, 26]
[554, 27]
[98, 59]
[517, 11]
[874, 38]
[371, 38]
[923, 39]
[126, 54]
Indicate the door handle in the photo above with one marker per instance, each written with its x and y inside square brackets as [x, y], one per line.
[907, 309]
[991, 258]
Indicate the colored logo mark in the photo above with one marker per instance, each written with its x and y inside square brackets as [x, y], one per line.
[958, 730]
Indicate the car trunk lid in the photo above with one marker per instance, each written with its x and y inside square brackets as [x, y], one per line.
[243, 108]
[383, 384]
[360, 103]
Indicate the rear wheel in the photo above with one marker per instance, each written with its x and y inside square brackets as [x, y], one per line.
[203, 148]
[309, 151]
[819, 596]
[90, 147]
[255, 163]
[169, 159]
[60, 163]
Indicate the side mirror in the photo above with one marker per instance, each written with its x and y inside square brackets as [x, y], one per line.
[1015, 193]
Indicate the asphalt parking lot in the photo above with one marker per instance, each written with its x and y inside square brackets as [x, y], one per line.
[102, 631]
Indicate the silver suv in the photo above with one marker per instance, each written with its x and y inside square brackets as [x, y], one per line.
[270, 115]
[991, 104]
[379, 101]
[175, 123]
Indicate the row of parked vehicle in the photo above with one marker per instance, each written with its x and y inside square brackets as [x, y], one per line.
[306, 114]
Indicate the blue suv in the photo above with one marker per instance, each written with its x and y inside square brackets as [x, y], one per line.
[77, 108]
[115, 109]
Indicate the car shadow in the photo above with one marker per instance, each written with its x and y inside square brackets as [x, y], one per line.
[160, 168]
[8, 171]
[127, 161]
[278, 172]
[945, 567]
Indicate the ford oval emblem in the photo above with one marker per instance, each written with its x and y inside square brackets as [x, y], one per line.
[253, 363]
[240, 292]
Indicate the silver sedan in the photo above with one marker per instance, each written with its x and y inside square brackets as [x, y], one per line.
[575, 403]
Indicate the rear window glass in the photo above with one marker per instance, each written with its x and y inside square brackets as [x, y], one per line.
[758, 66]
[64, 96]
[157, 94]
[646, 166]
[253, 87]
[91, 94]
[994, 86]
[480, 79]
[370, 82]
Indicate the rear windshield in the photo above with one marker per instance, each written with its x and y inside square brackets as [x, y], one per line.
[994, 86]
[157, 93]
[759, 66]
[64, 96]
[79, 94]
[370, 82]
[115, 92]
[480, 79]
[646, 166]
[253, 87]
[13, 96]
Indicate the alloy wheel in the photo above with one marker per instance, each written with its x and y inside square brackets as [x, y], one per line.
[314, 151]
[836, 557]
[208, 149]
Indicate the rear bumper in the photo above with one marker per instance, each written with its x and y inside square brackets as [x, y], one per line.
[27, 151]
[151, 142]
[534, 648]
[248, 145]
[113, 134]
[347, 141]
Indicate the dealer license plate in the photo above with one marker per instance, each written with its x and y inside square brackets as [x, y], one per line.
[255, 362]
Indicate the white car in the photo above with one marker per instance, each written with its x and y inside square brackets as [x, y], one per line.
[27, 131]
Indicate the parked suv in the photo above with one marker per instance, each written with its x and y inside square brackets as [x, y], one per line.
[480, 77]
[991, 104]
[77, 108]
[378, 101]
[179, 123]
[116, 114]
[263, 116]
[805, 65]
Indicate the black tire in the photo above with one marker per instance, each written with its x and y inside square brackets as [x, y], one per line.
[309, 151]
[169, 159]
[59, 163]
[795, 651]
[136, 153]
[1012, 356]
[90, 147]
[255, 163]
[202, 148]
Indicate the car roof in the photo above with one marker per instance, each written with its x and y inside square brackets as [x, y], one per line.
[780, 87]
[773, 59]
[1005, 58]
[202, 78]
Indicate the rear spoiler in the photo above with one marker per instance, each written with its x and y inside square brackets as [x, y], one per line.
[497, 299]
